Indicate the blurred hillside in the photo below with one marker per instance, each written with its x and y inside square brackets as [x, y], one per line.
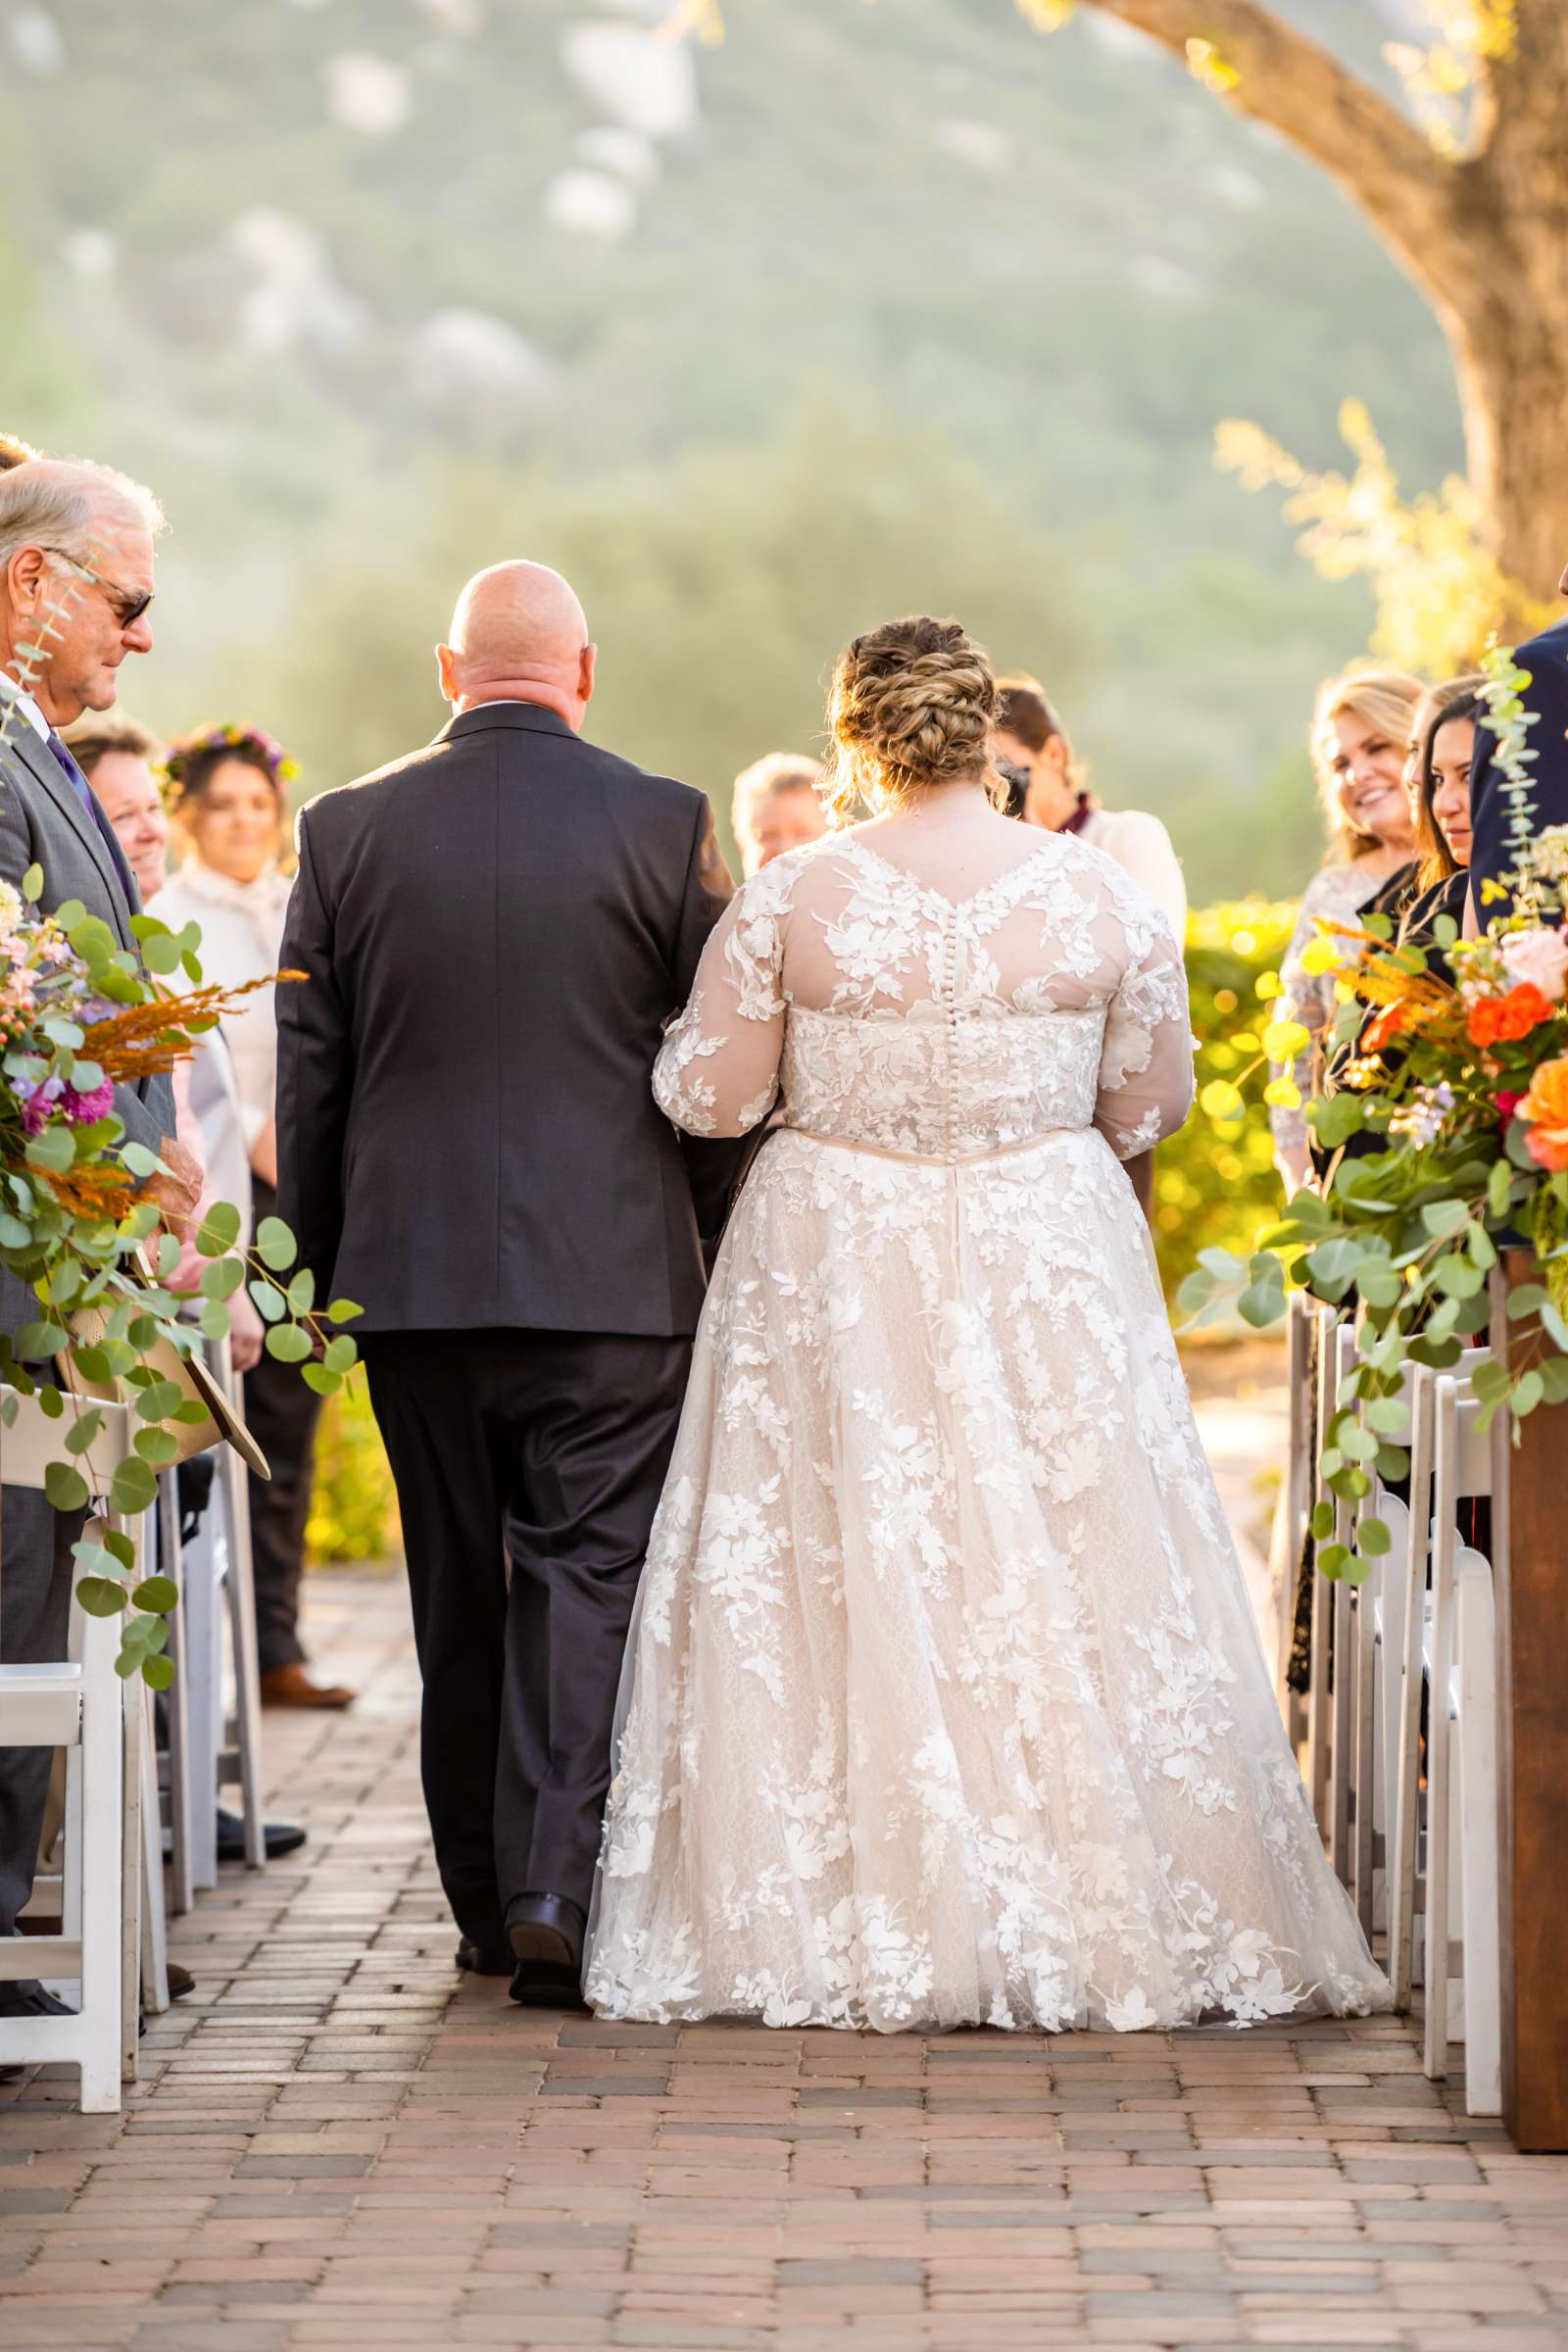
[874, 307]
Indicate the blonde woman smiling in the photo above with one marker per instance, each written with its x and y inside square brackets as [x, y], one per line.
[1361, 728]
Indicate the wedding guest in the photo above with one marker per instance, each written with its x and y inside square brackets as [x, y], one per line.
[776, 806]
[1546, 657]
[1361, 738]
[227, 787]
[1049, 786]
[1442, 762]
[1438, 787]
[115, 754]
[77, 576]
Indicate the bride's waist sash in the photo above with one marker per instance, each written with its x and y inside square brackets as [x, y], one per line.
[931, 1160]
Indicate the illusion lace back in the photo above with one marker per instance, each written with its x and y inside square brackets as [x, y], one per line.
[944, 1704]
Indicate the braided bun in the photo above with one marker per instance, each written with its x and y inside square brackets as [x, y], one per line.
[912, 706]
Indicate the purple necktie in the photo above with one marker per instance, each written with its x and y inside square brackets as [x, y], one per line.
[90, 807]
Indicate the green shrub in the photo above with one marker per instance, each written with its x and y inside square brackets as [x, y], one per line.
[354, 1505]
[1214, 1182]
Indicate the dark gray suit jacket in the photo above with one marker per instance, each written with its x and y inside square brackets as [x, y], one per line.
[43, 823]
[495, 932]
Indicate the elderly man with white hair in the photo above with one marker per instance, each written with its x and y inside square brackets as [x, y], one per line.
[494, 932]
[75, 585]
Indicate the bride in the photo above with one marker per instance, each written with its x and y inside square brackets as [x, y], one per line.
[944, 1704]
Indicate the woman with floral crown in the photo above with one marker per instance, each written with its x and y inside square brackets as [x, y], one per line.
[229, 801]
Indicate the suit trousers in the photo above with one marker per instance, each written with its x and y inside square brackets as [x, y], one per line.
[36, 1570]
[549, 1450]
[281, 1414]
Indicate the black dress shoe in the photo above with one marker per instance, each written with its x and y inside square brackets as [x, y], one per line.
[28, 1998]
[180, 1981]
[546, 1933]
[278, 1837]
[483, 1959]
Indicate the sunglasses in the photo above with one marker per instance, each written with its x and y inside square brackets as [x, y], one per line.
[127, 606]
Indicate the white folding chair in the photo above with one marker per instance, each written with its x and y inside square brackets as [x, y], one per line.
[217, 1587]
[82, 1706]
[1335, 1346]
[160, 1541]
[1410, 1566]
[1461, 1843]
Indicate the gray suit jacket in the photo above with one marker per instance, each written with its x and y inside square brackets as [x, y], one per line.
[43, 823]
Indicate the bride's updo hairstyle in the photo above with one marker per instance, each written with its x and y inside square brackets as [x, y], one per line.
[912, 706]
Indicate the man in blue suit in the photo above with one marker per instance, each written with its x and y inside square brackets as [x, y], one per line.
[1494, 853]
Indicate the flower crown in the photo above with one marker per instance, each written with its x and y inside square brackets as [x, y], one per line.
[264, 750]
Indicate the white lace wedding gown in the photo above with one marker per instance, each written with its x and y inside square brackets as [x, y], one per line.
[944, 1702]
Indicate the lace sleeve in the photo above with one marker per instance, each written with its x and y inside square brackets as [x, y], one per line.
[717, 1069]
[1146, 1064]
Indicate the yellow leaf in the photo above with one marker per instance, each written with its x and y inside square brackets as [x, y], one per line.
[1282, 1093]
[1220, 1099]
[1319, 956]
[1284, 1039]
[1268, 984]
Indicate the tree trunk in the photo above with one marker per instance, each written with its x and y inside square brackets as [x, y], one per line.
[1485, 240]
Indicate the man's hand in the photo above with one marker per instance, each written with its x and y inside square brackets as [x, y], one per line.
[246, 1332]
[178, 1193]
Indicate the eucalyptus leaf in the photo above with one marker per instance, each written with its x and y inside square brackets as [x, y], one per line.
[1373, 1539]
[288, 1343]
[135, 1488]
[275, 1244]
[100, 1598]
[65, 1487]
[219, 1230]
[158, 1593]
[157, 1673]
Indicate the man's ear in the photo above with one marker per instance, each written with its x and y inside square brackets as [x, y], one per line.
[1054, 751]
[587, 666]
[445, 673]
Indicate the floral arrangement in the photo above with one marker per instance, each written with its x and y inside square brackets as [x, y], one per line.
[78, 1013]
[1460, 1092]
[244, 739]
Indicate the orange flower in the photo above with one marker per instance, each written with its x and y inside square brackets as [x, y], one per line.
[1500, 1020]
[1388, 1023]
[1545, 1108]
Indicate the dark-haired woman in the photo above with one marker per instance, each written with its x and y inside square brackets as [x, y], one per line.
[1052, 790]
[228, 788]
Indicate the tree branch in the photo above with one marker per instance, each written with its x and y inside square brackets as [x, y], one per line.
[1375, 153]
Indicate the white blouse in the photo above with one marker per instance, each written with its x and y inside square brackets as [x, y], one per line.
[1142, 847]
[242, 937]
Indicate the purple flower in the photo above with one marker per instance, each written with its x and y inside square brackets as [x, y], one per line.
[39, 1101]
[82, 1110]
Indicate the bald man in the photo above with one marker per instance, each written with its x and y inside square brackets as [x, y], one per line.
[495, 931]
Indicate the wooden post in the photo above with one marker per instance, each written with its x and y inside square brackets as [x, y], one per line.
[1530, 1560]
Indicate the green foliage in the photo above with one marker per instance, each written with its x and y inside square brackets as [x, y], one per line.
[1214, 1182]
[354, 1507]
[1055, 263]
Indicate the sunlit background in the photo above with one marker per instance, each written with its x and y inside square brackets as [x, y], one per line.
[872, 307]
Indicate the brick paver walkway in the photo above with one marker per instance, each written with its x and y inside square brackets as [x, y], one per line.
[339, 2141]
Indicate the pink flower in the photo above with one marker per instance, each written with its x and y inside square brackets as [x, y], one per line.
[82, 1110]
[1508, 1105]
[1539, 957]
